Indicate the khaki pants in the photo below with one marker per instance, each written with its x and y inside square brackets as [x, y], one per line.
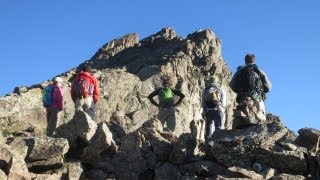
[167, 116]
[258, 108]
[87, 105]
[53, 118]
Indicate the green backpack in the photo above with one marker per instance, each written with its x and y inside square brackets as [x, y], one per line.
[166, 97]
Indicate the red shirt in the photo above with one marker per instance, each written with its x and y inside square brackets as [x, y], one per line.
[94, 81]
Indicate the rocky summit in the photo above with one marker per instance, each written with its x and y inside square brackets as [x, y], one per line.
[127, 141]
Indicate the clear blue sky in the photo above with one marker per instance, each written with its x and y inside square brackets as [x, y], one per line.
[41, 39]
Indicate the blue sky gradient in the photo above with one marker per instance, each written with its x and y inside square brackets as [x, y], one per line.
[41, 39]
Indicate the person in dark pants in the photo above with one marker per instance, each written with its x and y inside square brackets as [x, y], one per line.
[166, 102]
[53, 112]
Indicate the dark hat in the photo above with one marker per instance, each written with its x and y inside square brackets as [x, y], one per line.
[87, 68]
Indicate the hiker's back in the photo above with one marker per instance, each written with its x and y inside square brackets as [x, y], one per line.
[83, 85]
[212, 96]
[166, 97]
[249, 79]
[47, 96]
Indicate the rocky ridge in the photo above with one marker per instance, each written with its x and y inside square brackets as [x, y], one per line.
[127, 142]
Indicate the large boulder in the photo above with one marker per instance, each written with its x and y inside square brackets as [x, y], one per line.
[309, 138]
[183, 149]
[167, 171]
[255, 145]
[140, 151]
[85, 126]
[46, 148]
[45, 153]
[78, 131]
[18, 169]
[2, 175]
[74, 171]
[102, 141]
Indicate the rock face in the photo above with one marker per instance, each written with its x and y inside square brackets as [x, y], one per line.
[128, 70]
[127, 141]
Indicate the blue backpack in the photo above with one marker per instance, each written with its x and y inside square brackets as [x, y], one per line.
[47, 96]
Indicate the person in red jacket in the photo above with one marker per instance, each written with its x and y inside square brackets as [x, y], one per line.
[53, 115]
[85, 91]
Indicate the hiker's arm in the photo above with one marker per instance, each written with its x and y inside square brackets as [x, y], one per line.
[266, 82]
[180, 94]
[96, 91]
[150, 97]
[233, 83]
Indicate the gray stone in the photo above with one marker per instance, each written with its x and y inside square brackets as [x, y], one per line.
[269, 173]
[2, 175]
[53, 176]
[5, 156]
[288, 177]
[288, 145]
[244, 173]
[309, 138]
[74, 171]
[46, 148]
[140, 151]
[20, 90]
[167, 171]
[18, 169]
[21, 146]
[234, 147]
[48, 164]
[85, 126]
[202, 168]
[285, 161]
[101, 141]
[183, 149]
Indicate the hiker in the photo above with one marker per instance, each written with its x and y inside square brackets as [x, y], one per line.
[85, 91]
[213, 105]
[251, 85]
[166, 102]
[53, 101]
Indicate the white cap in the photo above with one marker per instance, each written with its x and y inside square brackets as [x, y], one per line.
[58, 79]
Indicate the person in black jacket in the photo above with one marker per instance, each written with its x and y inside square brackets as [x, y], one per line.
[251, 85]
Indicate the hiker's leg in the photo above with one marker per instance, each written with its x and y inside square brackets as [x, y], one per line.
[217, 119]
[260, 114]
[53, 121]
[162, 116]
[171, 119]
[89, 107]
[209, 124]
[223, 119]
[48, 120]
[78, 104]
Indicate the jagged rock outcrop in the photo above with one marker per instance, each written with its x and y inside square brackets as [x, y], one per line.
[309, 138]
[128, 70]
[127, 141]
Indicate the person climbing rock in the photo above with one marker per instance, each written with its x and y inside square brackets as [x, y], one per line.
[251, 85]
[85, 91]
